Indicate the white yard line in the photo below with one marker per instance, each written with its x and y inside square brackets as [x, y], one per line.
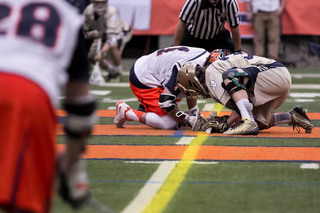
[305, 75]
[304, 95]
[208, 107]
[309, 166]
[149, 190]
[185, 141]
[100, 92]
[159, 162]
[305, 86]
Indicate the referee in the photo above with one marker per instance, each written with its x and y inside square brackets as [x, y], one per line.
[201, 24]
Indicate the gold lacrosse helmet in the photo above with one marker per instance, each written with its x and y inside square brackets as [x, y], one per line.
[188, 81]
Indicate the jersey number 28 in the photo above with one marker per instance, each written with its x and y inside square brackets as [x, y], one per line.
[38, 21]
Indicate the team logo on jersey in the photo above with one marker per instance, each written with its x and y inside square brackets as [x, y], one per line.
[213, 84]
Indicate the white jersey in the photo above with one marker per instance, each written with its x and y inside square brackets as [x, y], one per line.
[265, 6]
[39, 48]
[156, 69]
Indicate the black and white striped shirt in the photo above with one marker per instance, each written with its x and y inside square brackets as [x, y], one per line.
[204, 20]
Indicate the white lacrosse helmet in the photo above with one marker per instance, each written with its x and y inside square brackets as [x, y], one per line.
[188, 80]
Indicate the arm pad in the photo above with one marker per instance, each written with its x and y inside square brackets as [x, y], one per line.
[235, 85]
[167, 102]
[81, 116]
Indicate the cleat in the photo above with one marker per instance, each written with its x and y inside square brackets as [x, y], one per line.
[114, 76]
[300, 119]
[247, 127]
[120, 119]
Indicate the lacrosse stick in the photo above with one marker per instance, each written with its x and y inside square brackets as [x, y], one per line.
[98, 206]
[96, 77]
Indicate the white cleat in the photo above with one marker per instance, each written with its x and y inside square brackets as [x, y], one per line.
[247, 127]
[120, 119]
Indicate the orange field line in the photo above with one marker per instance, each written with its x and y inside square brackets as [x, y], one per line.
[205, 152]
[142, 130]
[112, 113]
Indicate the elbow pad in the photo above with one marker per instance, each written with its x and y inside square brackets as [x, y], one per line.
[235, 85]
[81, 116]
[167, 102]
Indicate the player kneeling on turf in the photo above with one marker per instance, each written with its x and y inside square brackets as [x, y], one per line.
[252, 87]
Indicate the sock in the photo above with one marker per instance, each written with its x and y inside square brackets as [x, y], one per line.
[110, 67]
[245, 108]
[134, 115]
[282, 118]
[160, 122]
[118, 68]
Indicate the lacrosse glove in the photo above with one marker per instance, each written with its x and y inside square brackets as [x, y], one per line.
[73, 185]
[214, 124]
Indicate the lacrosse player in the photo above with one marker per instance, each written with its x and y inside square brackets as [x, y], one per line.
[103, 22]
[252, 86]
[153, 82]
[42, 50]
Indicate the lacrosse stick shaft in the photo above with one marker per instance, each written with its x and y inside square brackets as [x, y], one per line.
[96, 76]
[98, 206]
[98, 50]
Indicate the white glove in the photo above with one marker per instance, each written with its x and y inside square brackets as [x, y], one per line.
[196, 122]
[74, 184]
[94, 34]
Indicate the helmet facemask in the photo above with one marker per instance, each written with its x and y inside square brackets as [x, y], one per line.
[188, 80]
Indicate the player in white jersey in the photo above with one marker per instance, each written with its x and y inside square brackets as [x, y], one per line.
[252, 86]
[153, 82]
[42, 50]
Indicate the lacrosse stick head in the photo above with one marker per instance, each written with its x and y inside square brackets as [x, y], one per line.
[96, 77]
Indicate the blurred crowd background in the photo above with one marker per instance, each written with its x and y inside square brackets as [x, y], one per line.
[153, 23]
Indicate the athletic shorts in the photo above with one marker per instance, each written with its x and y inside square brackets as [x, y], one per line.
[271, 89]
[149, 98]
[27, 145]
